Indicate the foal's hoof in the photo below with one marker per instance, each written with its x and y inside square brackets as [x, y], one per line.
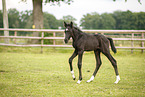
[116, 82]
[78, 82]
[117, 79]
[74, 78]
[88, 81]
[91, 79]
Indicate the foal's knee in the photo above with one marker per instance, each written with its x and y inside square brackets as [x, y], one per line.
[79, 65]
[70, 60]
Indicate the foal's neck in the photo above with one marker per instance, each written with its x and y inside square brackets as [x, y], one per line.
[76, 34]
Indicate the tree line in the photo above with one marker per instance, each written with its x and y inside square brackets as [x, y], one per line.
[116, 20]
[24, 19]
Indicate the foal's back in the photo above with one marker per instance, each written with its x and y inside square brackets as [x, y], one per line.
[92, 41]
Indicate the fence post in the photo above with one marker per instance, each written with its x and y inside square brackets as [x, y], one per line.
[132, 36]
[15, 34]
[53, 40]
[142, 43]
[42, 39]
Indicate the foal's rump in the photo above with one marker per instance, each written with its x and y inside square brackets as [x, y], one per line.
[104, 43]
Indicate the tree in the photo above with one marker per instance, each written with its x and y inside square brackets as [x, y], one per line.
[141, 21]
[90, 21]
[37, 17]
[117, 16]
[69, 18]
[5, 21]
[125, 20]
[14, 18]
[107, 21]
[96, 21]
[50, 21]
[38, 14]
[26, 19]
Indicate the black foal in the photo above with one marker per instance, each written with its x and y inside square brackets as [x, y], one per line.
[89, 42]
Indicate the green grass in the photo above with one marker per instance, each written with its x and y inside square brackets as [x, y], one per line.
[25, 72]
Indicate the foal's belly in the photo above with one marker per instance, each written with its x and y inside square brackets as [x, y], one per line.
[91, 46]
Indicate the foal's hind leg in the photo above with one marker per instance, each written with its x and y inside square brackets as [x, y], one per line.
[98, 64]
[70, 63]
[80, 55]
[114, 64]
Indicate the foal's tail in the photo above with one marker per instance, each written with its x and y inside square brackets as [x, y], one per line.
[112, 44]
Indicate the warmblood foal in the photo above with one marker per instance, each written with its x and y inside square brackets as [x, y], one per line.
[89, 42]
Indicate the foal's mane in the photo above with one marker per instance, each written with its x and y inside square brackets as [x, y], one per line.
[76, 28]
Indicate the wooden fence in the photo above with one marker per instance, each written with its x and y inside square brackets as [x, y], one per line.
[132, 33]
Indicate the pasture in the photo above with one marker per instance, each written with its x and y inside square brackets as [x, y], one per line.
[25, 72]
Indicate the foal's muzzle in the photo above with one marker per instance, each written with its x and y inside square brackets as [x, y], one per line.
[66, 40]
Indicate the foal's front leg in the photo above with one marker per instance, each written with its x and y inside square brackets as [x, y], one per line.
[70, 63]
[80, 54]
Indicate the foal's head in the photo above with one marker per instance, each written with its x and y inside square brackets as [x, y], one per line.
[68, 31]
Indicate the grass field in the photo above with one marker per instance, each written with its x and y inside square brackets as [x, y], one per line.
[25, 72]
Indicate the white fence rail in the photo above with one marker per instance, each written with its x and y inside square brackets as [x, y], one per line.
[54, 31]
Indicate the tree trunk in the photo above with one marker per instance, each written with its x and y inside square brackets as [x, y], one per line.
[37, 17]
[5, 21]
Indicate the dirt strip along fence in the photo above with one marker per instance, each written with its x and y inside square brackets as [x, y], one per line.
[117, 35]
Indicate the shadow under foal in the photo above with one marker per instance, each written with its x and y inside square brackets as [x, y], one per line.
[89, 42]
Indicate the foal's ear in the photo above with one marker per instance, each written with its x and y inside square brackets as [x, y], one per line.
[65, 24]
[71, 24]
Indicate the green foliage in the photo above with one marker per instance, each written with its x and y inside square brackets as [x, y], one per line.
[36, 75]
[124, 20]
[59, 1]
[107, 21]
[140, 20]
[69, 19]
[50, 22]
[23, 19]
[96, 21]
[55, 1]
[48, 41]
[117, 20]
[90, 21]
[26, 19]
[129, 20]
[14, 18]
[19, 19]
